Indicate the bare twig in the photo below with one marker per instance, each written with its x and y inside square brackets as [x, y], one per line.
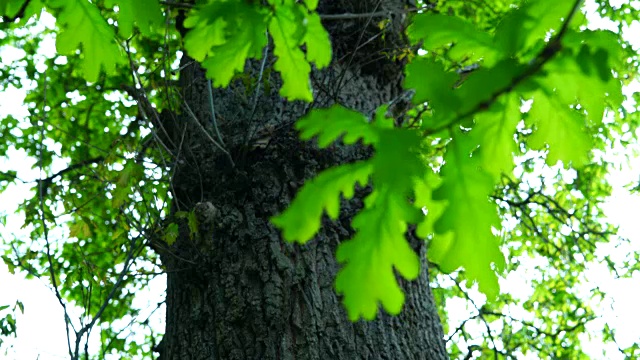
[213, 112]
[133, 250]
[213, 141]
[45, 229]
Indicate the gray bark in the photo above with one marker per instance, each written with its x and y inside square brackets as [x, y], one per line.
[238, 291]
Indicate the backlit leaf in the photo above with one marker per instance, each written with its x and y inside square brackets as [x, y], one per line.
[468, 218]
[83, 26]
[288, 34]
[435, 31]
[530, 23]
[561, 128]
[494, 133]
[145, 13]
[379, 246]
[317, 41]
[332, 123]
[301, 221]
[223, 35]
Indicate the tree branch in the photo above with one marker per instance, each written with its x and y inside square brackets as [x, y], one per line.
[344, 16]
[18, 15]
[550, 50]
[46, 182]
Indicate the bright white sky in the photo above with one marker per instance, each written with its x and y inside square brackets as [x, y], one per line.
[41, 332]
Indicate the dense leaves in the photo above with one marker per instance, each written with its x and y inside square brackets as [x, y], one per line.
[230, 32]
[479, 153]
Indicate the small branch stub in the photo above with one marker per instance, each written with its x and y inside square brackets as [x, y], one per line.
[206, 214]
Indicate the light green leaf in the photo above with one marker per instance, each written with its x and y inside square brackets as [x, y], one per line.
[530, 23]
[584, 75]
[11, 267]
[561, 127]
[432, 84]
[146, 13]
[192, 222]
[423, 191]
[483, 84]
[436, 31]
[79, 229]
[494, 133]
[467, 221]
[370, 257]
[223, 35]
[82, 25]
[288, 33]
[171, 233]
[317, 41]
[33, 8]
[311, 4]
[129, 174]
[10, 9]
[331, 123]
[379, 245]
[301, 221]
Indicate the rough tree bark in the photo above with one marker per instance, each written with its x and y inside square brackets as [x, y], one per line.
[239, 291]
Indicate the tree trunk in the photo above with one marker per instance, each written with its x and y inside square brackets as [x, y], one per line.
[237, 290]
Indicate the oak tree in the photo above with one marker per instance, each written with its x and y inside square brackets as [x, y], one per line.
[207, 140]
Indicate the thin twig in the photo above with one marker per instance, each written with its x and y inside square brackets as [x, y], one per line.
[45, 229]
[213, 112]
[213, 141]
[46, 182]
[127, 264]
[256, 93]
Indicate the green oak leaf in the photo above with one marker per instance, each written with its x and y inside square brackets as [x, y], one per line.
[79, 229]
[398, 159]
[82, 25]
[33, 8]
[423, 190]
[530, 23]
[128, 176]
[146, 13]
[561, 128]
[192, 224]
[585, 73]
[331, 123]
[311, 4]
[483, 84]
[379, 245]
[436, 31]
[288, 34]
[301, 221]
[317, 41]
[465, 227]
[432, 84]
[494, 133]
[223, 35]
[171, 233]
